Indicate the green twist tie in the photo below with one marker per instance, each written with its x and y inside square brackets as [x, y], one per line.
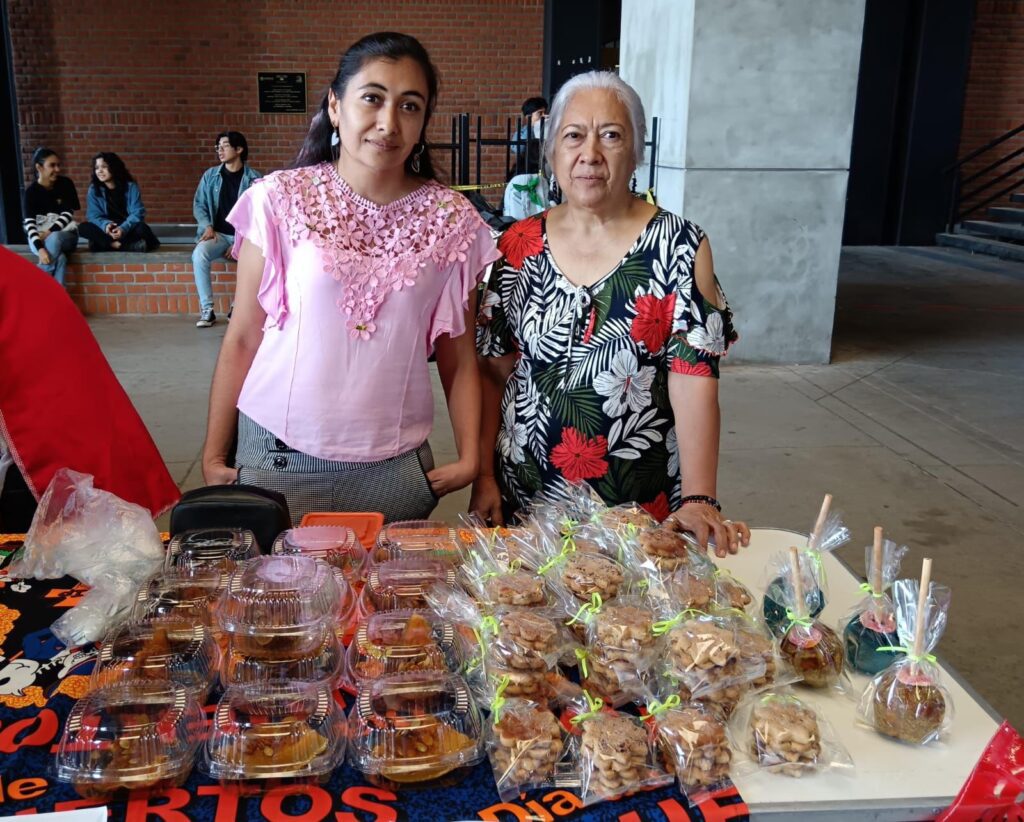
[666, 625]
[558, 558]
[488, 575]
[909, 653]
[656, 707]
[594, 706]
[499, 700]
[593, 606]
[814, 555]
[581, 658]
[867, 589]
[803, 622]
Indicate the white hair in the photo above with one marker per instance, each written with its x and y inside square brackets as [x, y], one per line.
[598, 80]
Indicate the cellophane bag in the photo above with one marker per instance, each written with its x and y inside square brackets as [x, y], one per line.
[774, 731]
[871, 623]
[616, 753]
[907, 701]
[99, 539]
[621, 647]
[487, 573]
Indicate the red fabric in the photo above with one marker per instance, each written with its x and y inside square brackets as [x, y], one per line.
[992, 791]
[60, 403]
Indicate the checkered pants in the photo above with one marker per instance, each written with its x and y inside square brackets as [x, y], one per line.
[397, 487]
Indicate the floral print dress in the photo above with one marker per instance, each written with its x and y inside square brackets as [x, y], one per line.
[588, 399]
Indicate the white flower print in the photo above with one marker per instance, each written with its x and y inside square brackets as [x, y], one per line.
[512, 436]
[625, 384]
[491, 299]
[672, 446]
[711, 337]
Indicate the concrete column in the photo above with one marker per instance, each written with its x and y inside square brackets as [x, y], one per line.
[756, 101]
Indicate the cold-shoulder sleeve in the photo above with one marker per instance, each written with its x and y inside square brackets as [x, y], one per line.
[470, 260]
[255, 220]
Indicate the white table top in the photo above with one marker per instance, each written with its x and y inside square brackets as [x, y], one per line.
[890, 780]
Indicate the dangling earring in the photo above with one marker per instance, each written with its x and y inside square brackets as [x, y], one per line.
[414, 164]
[336, 144]
[554, 192]
[632, 183]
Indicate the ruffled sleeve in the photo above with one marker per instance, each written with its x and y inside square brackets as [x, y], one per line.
[254, 220]
[702, 330]
[449, 315]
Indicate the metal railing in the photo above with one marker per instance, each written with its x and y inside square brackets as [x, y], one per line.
[958, 197]
[467, 144]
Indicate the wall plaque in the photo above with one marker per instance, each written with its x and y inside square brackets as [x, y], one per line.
[282, 92]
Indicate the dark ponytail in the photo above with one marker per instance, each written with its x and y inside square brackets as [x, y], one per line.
[383, 45]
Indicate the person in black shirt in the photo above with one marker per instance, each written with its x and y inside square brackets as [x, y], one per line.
[216, 195]
[114, 210]
[49, 208]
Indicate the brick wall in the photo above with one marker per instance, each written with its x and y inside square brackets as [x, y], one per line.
[156, 81]
[994, 101]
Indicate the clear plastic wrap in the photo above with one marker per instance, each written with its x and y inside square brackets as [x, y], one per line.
[414, 727]
[181, 652]
[323, 666]
[141, 734]
[418, 539]
[731, 593]
[178, 599]
[401, 584]
[279, 730]
[692, 739]
[828, 534]
[617, 753]
[871, 624]
[778, 733]
[206, 552]
[337, 545]
[907, 701]
[493, 579]
[620, 648]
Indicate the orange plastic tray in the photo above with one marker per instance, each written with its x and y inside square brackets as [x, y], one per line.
[367, 525]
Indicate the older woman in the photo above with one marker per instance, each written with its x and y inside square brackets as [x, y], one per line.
[600, 333]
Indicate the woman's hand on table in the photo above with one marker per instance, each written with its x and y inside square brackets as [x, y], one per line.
[452, 476]
[216, 472]
[486, 500]
[704, 521]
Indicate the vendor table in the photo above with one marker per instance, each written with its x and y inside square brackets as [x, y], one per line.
[40, 679]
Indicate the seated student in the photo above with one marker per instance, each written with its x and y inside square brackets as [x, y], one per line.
[49, 209]
[114, 209]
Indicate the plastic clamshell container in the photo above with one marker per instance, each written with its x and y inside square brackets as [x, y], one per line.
[414, 727]
[400, 584]
[209, 551]
[178, 598]
[418, 539]
[366, 524]
[182, 652]
[275, 606]
[130, 735]
[281, 730]
[337, 545]
[324, 666]
[393, 642]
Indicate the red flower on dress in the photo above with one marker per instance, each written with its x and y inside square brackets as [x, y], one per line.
[653, 321]
[578, 457]
[521, 240]
[697, 369]
[658, 507]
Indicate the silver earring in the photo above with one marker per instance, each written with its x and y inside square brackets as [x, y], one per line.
[632, 183]
[414, 164]
[335, 139]
[554, 193]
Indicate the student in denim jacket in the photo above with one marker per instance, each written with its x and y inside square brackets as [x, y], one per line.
[114, 210]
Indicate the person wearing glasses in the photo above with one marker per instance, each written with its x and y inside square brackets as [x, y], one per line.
[218, 191]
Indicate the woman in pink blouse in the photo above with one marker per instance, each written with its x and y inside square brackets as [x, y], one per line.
[353, 266]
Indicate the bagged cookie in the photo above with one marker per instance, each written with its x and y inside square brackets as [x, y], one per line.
[693, 743]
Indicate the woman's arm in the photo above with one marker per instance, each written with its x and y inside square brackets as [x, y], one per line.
[96, 209]
[136, 210]
[241, 341]
[460, 377]
[494, 374]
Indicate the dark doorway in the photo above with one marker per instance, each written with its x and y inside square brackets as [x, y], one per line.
[579, 36]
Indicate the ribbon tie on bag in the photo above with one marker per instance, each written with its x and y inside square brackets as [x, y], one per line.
[814, 555]
[666, 625]
[568, 546]
[499, 699]
[594, 707]
[909, 653]
[803, 622]
[656, 707]
[593, 607]
[488, 627]
[581, 658]
[867, 589]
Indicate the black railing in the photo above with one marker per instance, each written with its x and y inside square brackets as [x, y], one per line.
[962, 203]
[467, 145]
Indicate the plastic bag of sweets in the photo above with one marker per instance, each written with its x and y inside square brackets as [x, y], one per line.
[492, 581]
[617, 753]
[828, 534]
[871, 624]
[731, 593]
[525, 744]
[621, 646]
[812, 649]
[907, 701]
[776, 732]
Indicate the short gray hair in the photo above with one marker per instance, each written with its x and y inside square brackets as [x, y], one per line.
[598, 80]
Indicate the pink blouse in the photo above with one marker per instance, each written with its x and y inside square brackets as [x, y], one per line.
[355, 295]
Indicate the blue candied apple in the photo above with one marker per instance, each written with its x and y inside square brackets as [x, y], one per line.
[775, 608]
[864, 635]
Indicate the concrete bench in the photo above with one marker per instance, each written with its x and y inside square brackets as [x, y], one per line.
[158, 282]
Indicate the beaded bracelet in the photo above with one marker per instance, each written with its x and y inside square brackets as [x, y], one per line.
[703, 499]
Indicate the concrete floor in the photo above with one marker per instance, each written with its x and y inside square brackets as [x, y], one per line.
[917, 425]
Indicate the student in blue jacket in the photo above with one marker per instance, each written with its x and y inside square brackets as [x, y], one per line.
[115, 215]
